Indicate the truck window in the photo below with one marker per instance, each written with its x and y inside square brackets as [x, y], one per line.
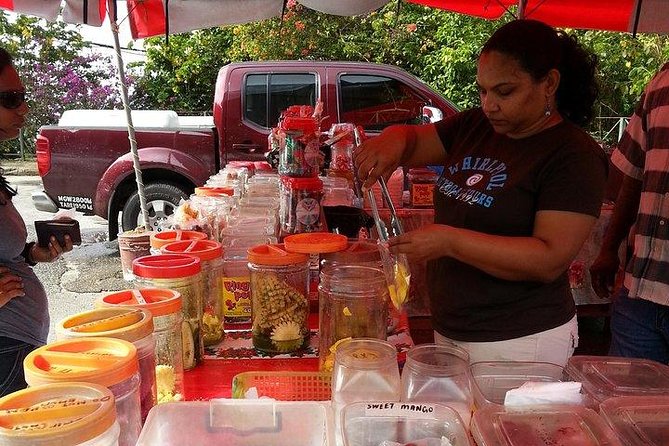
[375, 102]
[267, 95]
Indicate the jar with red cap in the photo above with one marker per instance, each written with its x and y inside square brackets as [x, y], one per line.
[210, 254]
[299, 147]
[160, 239]
[300, 205]
[279, 293]
[181, 273]
[59, 414]
[108, 362]
[165, 306]
[130, 324]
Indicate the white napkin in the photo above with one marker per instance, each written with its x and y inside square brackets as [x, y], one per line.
[536, 393]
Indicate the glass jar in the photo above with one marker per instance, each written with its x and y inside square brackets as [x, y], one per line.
[279, 294]
[353, 304]
[439, 373]
[299, 147]
[165, 306]
[210, 254]
[43, 416]
[130, 324]
[300, 209]
[181, 273]
[109, 362]
[236, 286]
[160, 239]
[421, 187]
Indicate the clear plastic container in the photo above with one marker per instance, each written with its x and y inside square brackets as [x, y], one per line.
[438, 373]
[165, 306]
[80, 414]
[364, 370]
[279, 294]
[377, 423]
[607, 376]
[160, 239]
[554, 425]
[492, 379]
[238, 423]
[638, 420]
[181, 273]
[353, 304]
[109, 362]
[236, 286]
[210, 254]
[300, 209]
[131, 245]
[130, 324]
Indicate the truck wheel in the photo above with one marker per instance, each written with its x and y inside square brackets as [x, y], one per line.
[161, 201]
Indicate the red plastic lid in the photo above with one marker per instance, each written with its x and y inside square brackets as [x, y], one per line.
[159, 239]
[166, 266]
[262, 166]
[203, 249]
[306, 125]
[275, 255]
[209, 191]
[315, 242]
[159, 301]
[306, 183]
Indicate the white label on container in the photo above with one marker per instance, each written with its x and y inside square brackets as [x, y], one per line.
[405, 410]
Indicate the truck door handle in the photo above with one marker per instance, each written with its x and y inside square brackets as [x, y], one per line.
[248, 148]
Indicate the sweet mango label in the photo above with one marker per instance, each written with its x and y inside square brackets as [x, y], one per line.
[236, 296]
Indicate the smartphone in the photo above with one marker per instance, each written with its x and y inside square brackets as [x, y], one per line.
[57, 228]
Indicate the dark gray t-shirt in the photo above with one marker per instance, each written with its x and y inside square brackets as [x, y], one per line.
[24, 318]
[495, 185]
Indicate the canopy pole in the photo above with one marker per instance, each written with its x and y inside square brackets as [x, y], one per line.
[521, 9]
[111, 4]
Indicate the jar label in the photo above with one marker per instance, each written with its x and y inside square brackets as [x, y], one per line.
[236, 294]
[308, 211]
[421, 194]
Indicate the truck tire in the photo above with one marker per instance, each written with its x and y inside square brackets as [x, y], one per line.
[161, 200]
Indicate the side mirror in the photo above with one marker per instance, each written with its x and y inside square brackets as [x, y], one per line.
[432, 114]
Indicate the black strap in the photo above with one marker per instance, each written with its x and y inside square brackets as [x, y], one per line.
[26, 254]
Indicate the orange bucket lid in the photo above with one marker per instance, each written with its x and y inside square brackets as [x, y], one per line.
[203, 249]
[357, 251]
[159, 301]
[158, 239]
[315, 242]
[130, 324]
[274, 255]
[166, 266]
[104, 361]
[67, 413]
[214, 191]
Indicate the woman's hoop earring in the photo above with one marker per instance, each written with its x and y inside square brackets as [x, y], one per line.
[547, 110]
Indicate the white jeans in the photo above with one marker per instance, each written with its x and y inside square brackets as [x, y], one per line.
[555, 345]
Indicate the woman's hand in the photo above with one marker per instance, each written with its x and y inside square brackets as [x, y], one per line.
[11, 286]
[381, 155]
[421, 245]
[603, 273]
[51, 252]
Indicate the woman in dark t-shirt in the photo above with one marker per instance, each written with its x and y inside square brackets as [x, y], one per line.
[520, 191]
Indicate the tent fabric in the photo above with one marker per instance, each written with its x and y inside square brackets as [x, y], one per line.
[72, 10]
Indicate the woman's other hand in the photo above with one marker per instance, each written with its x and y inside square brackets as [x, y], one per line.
[51, 252]
[11, 286]
[421, 245]
[603, 273]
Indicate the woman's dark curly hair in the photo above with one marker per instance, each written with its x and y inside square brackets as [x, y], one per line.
[5, 61]
[539, 48]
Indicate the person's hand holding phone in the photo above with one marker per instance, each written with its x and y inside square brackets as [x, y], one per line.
[58, 235]
[51, 252]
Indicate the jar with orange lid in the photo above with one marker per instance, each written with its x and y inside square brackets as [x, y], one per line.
[130, 324]
[300, 205]
[160, 239]
[109, 362]
[59, 414]
[210, 254]
[181, 273]
[279, 294]
[165, 306]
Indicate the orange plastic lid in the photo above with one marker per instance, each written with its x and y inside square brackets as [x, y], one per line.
[166, 266]
[214, 191]
[159, 239]
[64, 414]
[104, 361]
[203, 249]
[159, 301]
[274, 255]
[315, 242]
[130, 324]
[358, 251]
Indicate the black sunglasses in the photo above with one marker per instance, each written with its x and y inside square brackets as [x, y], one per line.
[12, 99]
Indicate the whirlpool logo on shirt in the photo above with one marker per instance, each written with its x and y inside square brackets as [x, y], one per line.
[480, 178]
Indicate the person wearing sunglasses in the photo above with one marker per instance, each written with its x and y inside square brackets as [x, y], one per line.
[24, 315]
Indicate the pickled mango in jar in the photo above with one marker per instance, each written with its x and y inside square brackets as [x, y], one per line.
[398, 288]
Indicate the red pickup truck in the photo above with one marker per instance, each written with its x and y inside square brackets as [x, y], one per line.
[85, 160]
